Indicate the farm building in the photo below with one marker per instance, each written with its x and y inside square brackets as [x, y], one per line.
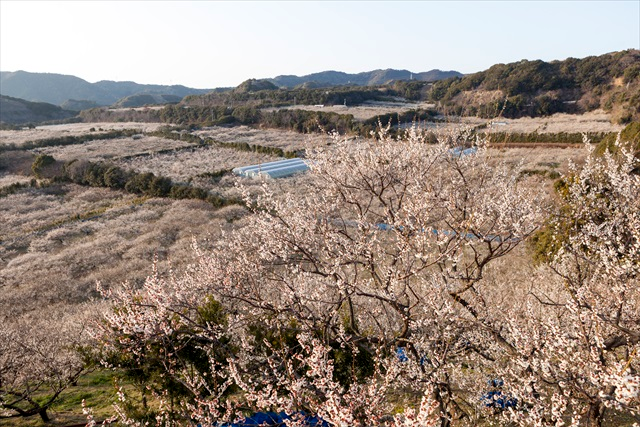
[278, 169]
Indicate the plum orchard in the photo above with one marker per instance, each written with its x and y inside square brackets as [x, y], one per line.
[369, 300]
[37, 363]
[580, 356]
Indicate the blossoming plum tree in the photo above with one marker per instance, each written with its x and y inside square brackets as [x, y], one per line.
[579, 357]
[38, 361]
[365, 300]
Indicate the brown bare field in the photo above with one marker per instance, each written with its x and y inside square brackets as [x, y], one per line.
[145, 108]
[595, 121]
[531, 158]
[539, 145]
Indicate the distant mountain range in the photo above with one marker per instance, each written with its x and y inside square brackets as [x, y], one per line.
[38, 97]
[367, 78]
[59, 89]
[74, 93]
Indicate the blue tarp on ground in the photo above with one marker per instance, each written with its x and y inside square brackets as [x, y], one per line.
[492, 398]
[495, 397]
[273, 419]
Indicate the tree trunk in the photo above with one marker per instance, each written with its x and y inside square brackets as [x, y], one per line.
[445, 417]
[43, 415]
[595, 415]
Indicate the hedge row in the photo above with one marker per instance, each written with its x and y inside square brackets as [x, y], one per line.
[16, 187]
[534, 137]
[243, 147]
[302, 121]
[102, 174]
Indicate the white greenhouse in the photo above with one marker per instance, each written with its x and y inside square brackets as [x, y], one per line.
[278, 169]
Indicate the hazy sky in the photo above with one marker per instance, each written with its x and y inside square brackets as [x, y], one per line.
[207, 44]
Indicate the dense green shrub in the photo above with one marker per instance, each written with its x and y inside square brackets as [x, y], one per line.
[630, 136]
[15, 188]
[139, 183]
[534, 137]
[115, 177]
[159, 187]
[106, 175]
[40, 163]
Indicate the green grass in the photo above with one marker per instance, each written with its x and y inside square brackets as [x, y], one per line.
[549, 164]
[553, 175]
[96, 388]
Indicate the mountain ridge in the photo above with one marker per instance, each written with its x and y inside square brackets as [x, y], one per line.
[57, 89]
[365, 78]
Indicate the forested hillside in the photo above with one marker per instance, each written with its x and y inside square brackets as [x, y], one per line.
[140, 100]
[538, 88]
[525, 88]
[262, 93]
[17, 111]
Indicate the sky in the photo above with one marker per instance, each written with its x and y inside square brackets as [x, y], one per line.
[207, 44]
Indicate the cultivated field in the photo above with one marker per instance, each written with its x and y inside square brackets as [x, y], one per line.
[56, 242]
[537, 158]
[7, 179]
[595, 121]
